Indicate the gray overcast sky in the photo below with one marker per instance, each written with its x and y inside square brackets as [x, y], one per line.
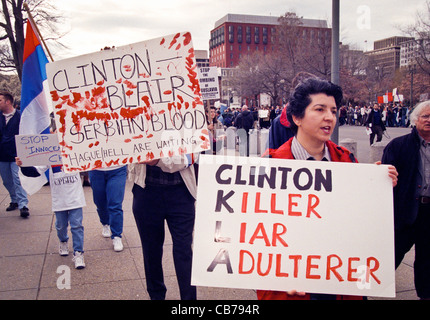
[94, 24]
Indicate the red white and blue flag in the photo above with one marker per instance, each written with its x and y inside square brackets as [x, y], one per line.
[35, 108]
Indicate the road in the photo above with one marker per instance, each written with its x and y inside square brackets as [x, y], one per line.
[358, 134]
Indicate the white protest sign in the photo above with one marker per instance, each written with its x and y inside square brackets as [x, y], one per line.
[313, 226]
[263, 113]
[38, 150]
[208, 77]
[128, 104]
[265, 99]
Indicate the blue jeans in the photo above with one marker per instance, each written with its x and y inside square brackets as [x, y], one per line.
[74, 216]
[108, 195]
[10, 177]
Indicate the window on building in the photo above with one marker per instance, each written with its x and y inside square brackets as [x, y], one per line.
[248, 35]
[231, 34]
[265, 35]
[239, 34]
[257, 35]
[272, 35]
[222, 35]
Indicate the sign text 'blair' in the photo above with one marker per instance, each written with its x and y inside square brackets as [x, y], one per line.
[128, 104]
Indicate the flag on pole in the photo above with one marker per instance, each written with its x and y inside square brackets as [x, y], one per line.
[35, 109]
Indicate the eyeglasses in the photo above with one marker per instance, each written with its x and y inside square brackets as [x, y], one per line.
[425, 117]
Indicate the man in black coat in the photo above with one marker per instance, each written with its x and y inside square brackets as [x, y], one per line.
[410, 154]
[244, 122]
[375, 123]
[9, 127]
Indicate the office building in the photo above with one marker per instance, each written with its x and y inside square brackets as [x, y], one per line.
[385, 56]
[236, 35]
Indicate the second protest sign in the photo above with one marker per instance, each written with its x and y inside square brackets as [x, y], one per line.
[313, 226]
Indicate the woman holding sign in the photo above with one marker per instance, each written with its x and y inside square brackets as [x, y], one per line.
[311, 111]
[164, 191]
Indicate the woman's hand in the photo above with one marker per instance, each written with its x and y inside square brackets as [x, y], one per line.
[150, 162]
[18, 161]
[296, 293]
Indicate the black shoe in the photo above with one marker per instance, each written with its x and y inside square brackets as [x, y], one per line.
[12, 206]
[24, 212]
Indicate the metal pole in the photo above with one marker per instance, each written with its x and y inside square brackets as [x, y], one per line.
[36, 29]
[335, 57]
[412, 86]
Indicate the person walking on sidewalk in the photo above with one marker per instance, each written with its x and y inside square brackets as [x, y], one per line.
[410, 154]
[9, 127]
[108, 194]
[67, 202]
[375, 123]
[244, 122]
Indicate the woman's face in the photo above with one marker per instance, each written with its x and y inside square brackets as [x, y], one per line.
[319, 120]
[211, 114]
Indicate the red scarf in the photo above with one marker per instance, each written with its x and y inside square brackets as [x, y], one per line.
[337, 153]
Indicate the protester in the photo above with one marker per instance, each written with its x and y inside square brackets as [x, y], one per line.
[311, 112]
[68, 199]
[410, 154]
[244, 122]
[108, 194]
[273, 114]
[375, 123]
[279, 131]
[165, 190]
[228, 117]
[264, 117]
[213, 125]
[9, 127]
[402, 116]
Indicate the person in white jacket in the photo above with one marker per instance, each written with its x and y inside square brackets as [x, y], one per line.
[68, 200]
[165, 190]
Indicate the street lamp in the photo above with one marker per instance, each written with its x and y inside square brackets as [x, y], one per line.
[335, 56]
[412, 69]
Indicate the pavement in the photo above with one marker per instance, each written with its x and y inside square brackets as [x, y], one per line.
[31, 268]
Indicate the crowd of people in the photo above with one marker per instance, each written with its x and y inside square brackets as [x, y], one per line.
[165, 191]
[393, 115]
[262, 116]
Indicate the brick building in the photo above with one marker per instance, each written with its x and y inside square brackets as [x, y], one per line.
[235, 35]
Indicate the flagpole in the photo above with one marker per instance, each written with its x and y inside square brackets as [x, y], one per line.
[30, 17]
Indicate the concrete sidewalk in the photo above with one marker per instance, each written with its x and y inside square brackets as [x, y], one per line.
[30, 265]
[29, 259]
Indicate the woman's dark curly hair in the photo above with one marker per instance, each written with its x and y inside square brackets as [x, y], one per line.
[300, 97]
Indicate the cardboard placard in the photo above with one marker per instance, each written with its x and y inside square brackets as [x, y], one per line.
[38, 150]
[128, 104]
[313, 226]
